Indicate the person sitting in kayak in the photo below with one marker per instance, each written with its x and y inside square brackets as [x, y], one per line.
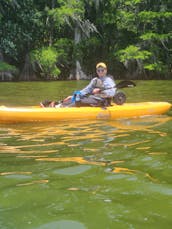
[97, 93]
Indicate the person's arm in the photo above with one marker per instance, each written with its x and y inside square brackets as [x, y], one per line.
[89, 88]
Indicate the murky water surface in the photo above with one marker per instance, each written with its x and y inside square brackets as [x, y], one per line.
[89, 174]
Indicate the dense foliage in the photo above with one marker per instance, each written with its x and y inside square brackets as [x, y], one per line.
[134, 37]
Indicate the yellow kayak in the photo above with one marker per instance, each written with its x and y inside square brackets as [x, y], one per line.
[127, 110]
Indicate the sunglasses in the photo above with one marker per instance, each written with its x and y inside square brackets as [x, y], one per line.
[100, 70]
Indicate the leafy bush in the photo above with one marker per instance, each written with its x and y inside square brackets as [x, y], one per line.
[133, 52]
[4, 67]
[47, 59]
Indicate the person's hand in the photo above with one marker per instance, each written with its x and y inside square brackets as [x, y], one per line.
[67, 98]
[96, 91]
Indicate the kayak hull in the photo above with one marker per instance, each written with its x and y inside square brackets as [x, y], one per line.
[128, 110]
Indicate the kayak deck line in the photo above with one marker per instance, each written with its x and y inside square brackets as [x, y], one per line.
[36, 113]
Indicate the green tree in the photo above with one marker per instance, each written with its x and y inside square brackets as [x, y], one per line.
[133, 36]
[149, 27]
[70, 13]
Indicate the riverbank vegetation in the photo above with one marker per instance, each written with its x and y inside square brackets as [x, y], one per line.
[62, 39]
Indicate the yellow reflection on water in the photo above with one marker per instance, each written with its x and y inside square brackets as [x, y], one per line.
[116, 162]
[91, 149]
[123, 170]
[17, 150]
[131, 171]
[79, 160]
[158, 153]
[31, 156]
[15, 173]
[41, 137]
[150, 177]
[33, 182]
[9, 149]
[143, 148]
[142, 124]
[83, 130]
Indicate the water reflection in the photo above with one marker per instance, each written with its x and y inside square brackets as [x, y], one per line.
[99, 143]
[33, 182]
[63, 174]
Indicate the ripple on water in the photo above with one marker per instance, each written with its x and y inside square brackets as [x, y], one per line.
[74, 170]
[63, 224]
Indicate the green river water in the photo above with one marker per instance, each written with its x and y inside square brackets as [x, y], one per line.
[86, 174]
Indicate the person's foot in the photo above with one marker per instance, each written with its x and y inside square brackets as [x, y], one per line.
[45, 103]
[41, 104]
[58, 105]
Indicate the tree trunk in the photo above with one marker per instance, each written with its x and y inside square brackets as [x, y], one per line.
[27, 73]
[1, 56]
[79, 74]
